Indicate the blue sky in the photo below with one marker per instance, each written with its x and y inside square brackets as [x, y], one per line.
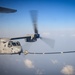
[55, 13]
[56, 20]
[52, 14]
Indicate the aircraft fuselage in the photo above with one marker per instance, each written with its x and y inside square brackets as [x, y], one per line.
[10, 47]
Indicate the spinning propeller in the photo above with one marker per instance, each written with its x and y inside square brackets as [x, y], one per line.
[33, 37]
[48, 41]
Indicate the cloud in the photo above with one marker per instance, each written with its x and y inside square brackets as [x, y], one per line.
[39, 72]
[54, 61]
[29, 63]
[68, 70]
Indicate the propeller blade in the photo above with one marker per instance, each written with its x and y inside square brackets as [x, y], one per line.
[7, 10]
[34, 20]
[48, 41]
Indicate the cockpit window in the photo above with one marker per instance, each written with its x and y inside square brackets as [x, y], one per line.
[13, 43]
[10, 44]
[18, 44]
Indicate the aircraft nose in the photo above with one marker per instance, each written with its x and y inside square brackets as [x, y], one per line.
[17, 49]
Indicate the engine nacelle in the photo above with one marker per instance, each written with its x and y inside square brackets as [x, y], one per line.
[37, 35]
[31, 40]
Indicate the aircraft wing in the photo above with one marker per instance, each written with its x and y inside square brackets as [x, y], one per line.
[16, 38]
[7, 10]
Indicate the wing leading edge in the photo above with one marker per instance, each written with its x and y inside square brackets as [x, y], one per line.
[16, 38]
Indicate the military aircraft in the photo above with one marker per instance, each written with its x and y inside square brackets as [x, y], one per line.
[9, 46]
